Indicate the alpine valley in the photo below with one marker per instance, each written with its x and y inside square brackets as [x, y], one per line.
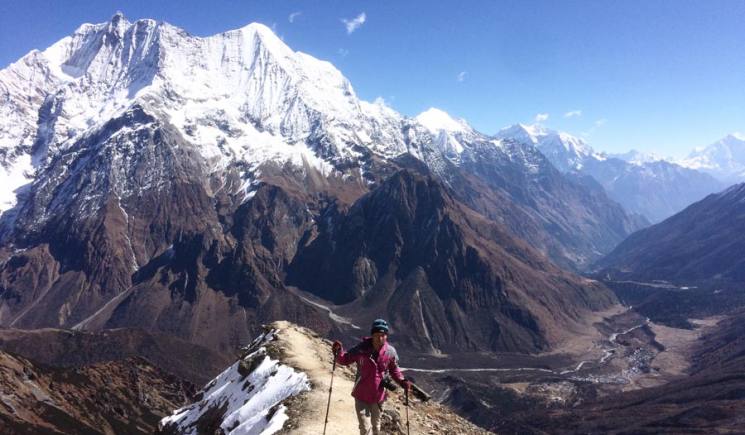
[167, 195]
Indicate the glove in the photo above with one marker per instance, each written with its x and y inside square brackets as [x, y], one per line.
[336, 347]
[406, 384]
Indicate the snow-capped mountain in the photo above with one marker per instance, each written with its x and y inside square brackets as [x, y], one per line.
[241, 95]
[643, 184]
[724, 159]
[178, 182]
[566, 152]
[637, 157]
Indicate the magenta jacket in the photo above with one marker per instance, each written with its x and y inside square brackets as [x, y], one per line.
[370, 372]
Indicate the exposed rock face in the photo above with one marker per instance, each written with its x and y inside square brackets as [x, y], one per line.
[128, 396]
[569, 220]
[702, 243]
[443, 272]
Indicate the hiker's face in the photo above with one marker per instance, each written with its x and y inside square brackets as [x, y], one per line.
[378, 339]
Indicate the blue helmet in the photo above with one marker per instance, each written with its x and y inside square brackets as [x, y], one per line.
[379, 325]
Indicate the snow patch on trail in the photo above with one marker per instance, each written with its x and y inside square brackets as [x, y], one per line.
[249, 395]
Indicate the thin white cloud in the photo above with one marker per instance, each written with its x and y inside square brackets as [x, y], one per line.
[541, 117]
[343, 52]
[597, 124]
[293, 15]
[462, 76]
[354, 23]
[573, 113]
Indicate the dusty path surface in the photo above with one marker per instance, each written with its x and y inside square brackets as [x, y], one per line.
[306, 351]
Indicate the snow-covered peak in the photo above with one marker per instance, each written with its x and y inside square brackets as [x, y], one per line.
[729, 147]
[265, 36]
[638, 157]
[724, 159]
[436, 120]
[522, 133]
[246, 81]
[565, 151]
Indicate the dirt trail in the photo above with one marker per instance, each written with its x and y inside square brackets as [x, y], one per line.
[303, 353]
[306, 351]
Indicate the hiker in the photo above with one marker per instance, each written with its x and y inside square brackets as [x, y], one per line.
[374, 357]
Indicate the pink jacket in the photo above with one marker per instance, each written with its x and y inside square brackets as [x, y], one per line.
[370, 372]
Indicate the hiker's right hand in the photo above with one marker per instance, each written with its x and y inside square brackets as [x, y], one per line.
[336, 347]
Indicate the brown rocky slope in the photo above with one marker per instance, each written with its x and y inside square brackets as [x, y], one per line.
[127, 396]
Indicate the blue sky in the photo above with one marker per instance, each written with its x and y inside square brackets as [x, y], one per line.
[663, 76]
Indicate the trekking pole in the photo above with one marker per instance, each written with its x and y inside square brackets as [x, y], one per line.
[331, 385]
[407, 411]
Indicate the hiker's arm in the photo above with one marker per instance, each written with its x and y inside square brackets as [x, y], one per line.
[396, 372]
[346, 358]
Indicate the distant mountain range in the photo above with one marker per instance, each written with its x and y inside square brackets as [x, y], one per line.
[651, 187]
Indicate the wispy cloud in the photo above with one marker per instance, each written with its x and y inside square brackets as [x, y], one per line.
[343, 52]
[354, 23]
[597, 124]
[573, 113]
[541, 117]
[293, 15]
[462, 76]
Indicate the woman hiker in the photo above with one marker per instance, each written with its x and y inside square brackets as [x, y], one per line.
[374, 357]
